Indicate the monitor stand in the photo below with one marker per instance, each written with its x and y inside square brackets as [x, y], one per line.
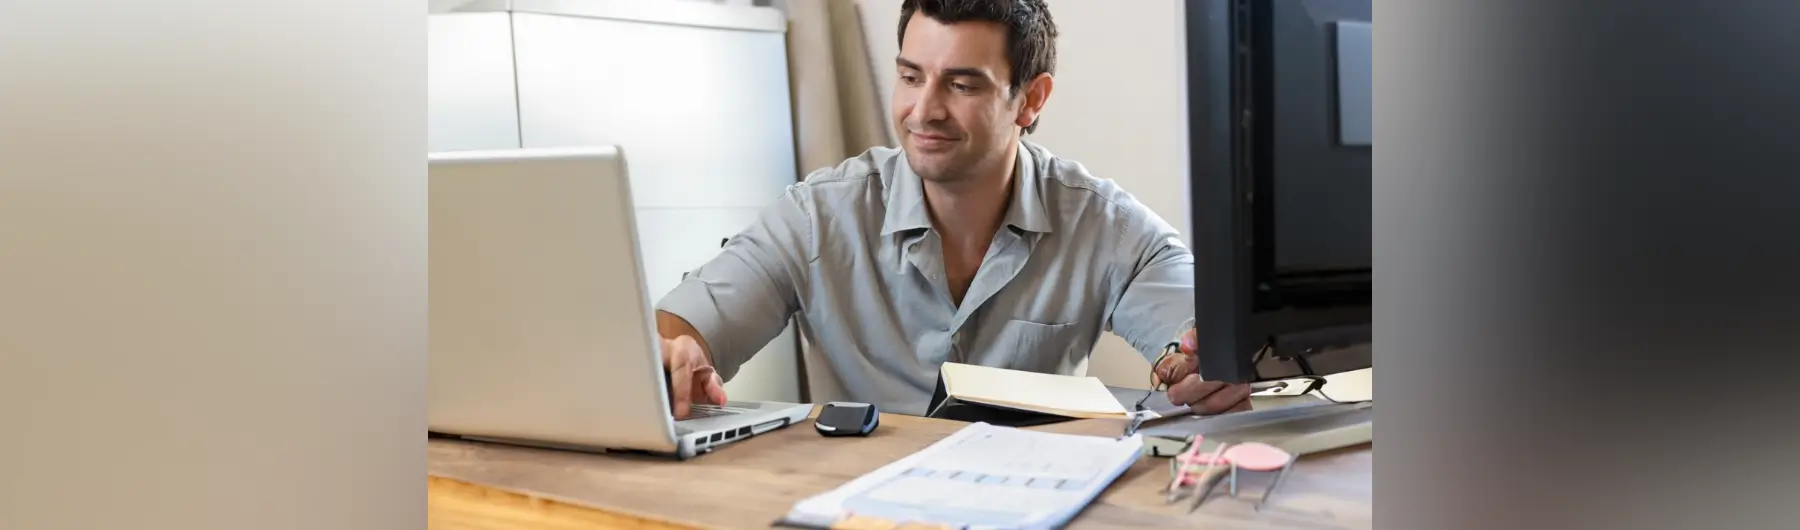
[1316, 352]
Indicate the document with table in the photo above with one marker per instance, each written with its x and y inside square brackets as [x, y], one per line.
[983, 476]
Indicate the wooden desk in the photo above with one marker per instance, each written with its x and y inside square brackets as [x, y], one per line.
[752, 483]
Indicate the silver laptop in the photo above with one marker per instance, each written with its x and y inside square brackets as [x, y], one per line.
[542, 332]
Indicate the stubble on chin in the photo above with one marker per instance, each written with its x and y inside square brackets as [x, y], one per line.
[942, 169]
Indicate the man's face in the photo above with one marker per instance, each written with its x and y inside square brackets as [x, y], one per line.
[953, 110]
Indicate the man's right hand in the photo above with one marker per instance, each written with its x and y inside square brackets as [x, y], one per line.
[1182, 374]
[692, 378]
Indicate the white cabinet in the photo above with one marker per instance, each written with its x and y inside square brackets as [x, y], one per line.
[695, 94]
[702, 113]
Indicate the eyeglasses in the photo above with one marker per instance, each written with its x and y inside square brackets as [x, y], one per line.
[1156, 382]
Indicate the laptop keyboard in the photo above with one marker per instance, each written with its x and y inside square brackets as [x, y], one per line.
[698, 411]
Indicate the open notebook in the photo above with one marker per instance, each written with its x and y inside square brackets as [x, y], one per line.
[983, 476]
[1013, 397]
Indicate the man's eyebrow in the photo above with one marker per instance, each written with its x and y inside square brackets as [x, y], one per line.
[966, 72]
[961, 71]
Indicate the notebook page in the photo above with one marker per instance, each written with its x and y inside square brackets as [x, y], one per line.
[1057, 394]
[983, 476]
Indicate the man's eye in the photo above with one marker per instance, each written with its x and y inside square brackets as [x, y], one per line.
[962, 87]
[911, 80]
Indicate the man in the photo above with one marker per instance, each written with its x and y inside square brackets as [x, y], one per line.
[967, 245]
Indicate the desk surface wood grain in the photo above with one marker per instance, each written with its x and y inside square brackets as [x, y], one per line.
[752, 483]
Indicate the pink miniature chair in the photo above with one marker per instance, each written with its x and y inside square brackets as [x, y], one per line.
[1181, 471]
[1250, 456]
[1256, 456]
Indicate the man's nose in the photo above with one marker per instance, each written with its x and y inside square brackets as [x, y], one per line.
[930, 106]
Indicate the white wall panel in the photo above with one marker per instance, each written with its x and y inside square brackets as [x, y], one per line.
[470, 83]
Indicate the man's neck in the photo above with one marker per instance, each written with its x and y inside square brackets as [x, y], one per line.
[968, 212]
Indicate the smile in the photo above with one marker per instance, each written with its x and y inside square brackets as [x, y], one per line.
[929, 141]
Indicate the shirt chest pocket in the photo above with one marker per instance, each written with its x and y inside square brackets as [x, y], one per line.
[1036, 347]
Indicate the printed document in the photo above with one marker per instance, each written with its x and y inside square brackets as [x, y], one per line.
[983, 476]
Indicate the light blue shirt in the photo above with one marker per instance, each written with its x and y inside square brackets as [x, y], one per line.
[852, 252]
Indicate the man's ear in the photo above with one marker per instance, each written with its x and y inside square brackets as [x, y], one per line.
[1037, 92]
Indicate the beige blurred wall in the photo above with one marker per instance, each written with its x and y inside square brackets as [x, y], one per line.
[1118, 108]
[212, 265]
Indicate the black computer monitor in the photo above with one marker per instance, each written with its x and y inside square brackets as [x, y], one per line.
[1279, 109]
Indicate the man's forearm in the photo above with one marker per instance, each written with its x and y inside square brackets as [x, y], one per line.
[1157, 304]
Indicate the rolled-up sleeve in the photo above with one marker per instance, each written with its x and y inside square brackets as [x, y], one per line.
[743, 298]
[1153, 287]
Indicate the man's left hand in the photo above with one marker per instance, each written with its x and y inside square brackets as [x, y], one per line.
[1181, 373]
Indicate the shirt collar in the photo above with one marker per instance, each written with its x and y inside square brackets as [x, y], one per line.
[1027, 209]
[906, 197]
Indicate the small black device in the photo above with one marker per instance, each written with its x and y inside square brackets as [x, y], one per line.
[840, 418]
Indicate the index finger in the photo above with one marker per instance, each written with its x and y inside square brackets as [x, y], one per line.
[681, 385]
[1191, 390]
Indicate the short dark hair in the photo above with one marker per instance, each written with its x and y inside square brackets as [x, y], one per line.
[1030, 32]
